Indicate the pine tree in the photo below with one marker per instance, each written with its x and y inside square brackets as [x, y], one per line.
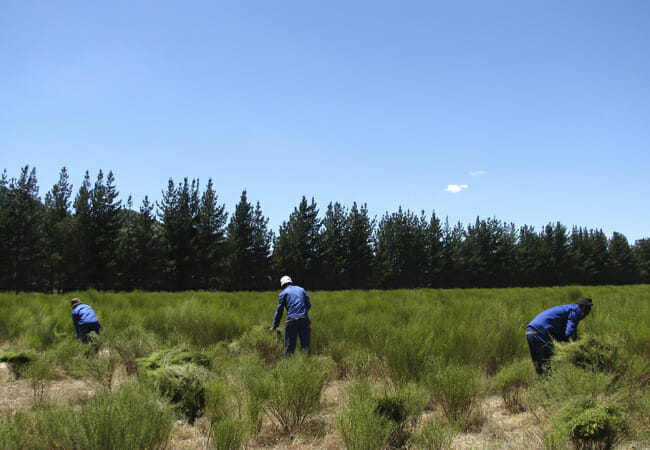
[23, 220]
[179, 211]
[106, 222]
[359, 232]
[296, 248]
[529, 264]
[454, 268]
[334, 251]
[622, 269]
[641, 252]
[434, 251]
[148, 270]
[127, 254]
[59, 233]
[82, 223]
[555, 254]
[249, 248]
[211, 240]
[400, 242]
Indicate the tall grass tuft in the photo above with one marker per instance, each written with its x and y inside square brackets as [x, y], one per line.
[359, 424]
[511, 382]
[257, 384]
[295, 390]
[130, 344]
[98, 368]
[457, 390]
[375, 418]
[228, 434]
[39, 372]
[134, 417]
[436, 435]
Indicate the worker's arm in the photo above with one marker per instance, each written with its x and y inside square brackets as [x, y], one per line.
[575, 316]
[307, 302]
[278, 312]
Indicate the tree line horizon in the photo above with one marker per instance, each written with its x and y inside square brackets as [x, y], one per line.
[188, 241]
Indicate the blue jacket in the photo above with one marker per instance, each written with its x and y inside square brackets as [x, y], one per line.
[560, 322]
[296, 300]
[82, 315]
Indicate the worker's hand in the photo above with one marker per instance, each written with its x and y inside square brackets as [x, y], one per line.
[271, 330]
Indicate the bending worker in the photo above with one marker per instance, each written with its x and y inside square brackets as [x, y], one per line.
[296, 301]
[556, 324]
[83, 319]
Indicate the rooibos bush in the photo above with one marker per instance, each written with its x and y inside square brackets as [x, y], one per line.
[229, 434]
[597, 428]
[511, 380]
[296, 385]
[456, 388]
[133, 417]
[436, 435]
[359, 424]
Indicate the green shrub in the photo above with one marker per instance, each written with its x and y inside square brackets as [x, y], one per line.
[132, 418]
[97, 368]
[42, 332]
[363, 363]
[257, 382]
[457, 389]
[17, 431]
[39, 372]
[402, 406]
[132, 343]
[597, 427]
[587, 424]
[511, 381]
[64, 353]
[436, 435]
[267, 345]
[229, 434]
[296, 385]
[360, 426]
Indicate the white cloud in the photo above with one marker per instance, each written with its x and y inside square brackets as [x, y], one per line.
[455, 188]
[477, 173]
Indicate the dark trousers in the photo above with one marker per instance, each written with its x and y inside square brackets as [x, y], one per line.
[83, 330]
[293, 329]
[541, 350]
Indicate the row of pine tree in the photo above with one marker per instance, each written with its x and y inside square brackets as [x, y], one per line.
[188, 241]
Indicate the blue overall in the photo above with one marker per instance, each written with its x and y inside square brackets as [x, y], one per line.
[296, 301]
[84, 321]
[559, 323]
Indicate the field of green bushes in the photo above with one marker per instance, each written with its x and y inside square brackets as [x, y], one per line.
[416, 363]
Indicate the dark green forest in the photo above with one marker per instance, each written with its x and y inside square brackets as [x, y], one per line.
[188, 241]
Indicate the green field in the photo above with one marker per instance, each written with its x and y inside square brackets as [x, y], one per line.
[414, 363]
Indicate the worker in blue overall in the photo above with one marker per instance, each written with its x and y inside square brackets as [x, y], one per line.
[559, 323]
[296, 301]
[83, 319]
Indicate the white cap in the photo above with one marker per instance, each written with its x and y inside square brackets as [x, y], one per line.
[285, 280]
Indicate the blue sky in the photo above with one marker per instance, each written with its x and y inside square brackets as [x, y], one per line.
[526, 111]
